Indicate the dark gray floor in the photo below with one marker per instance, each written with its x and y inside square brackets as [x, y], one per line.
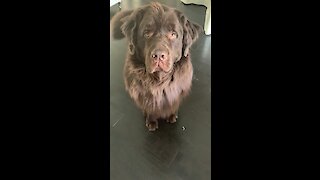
[169, 152]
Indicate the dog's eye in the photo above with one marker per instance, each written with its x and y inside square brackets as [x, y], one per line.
[173, 35]
[147, 34]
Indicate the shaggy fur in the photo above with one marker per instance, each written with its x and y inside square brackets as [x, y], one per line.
[158, 70]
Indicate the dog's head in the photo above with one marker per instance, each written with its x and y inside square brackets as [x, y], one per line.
[158, 35]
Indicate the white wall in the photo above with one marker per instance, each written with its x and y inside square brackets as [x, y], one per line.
[113, 2]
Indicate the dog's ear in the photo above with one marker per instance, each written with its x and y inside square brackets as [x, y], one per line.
[130, 27]
[191, 32]
[116, 22]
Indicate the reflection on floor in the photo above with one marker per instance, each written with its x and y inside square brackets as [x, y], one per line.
[170, 152]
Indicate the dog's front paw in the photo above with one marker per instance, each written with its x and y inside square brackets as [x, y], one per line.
[152, 125]
[172, 119]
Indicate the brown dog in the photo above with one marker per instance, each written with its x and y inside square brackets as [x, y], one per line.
[158, 70]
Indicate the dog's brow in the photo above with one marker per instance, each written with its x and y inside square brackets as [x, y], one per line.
[147, 23]
[171, 26]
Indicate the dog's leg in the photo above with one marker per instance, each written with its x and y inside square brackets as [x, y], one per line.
[151, 122]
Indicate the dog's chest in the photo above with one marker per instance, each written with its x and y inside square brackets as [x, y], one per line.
[166, 93]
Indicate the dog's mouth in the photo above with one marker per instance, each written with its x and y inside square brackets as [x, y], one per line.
[158, 72]
[159, 66]
[158, 69]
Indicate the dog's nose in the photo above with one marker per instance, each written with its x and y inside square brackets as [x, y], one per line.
[159, 55]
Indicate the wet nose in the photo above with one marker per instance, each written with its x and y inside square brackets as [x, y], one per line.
[159, 54]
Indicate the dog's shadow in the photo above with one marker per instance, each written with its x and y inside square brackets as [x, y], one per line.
[163, 146]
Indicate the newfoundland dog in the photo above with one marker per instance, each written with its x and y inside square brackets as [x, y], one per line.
[158, 70]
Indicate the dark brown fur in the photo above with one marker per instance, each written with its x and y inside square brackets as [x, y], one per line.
[158, 70]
